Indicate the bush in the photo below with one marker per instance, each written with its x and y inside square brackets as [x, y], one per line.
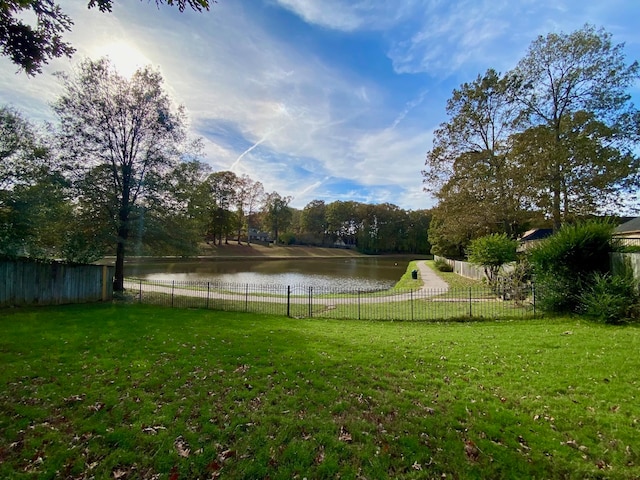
[442, 265]
[564, 264]
[611, 298]
[491, 252]
[515, 284]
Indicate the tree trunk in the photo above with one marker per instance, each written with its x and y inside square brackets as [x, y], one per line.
[118, 278]
[123, 235]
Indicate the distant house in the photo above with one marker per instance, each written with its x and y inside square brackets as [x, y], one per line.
[258, 236]
[531, 237]
[629, 232]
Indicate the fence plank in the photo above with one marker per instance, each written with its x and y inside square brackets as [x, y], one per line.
[27, 282]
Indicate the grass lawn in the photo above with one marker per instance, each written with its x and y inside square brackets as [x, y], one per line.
[138, 391]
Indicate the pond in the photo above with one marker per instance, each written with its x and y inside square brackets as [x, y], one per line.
[366, 273]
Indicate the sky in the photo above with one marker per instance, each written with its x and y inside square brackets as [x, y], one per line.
[318, 99]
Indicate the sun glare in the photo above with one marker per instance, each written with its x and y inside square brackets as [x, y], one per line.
[125, 57]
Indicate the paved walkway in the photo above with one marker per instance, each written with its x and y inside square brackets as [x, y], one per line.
[430, 280]
[432, 286]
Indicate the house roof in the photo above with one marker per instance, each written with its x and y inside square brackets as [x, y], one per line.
[536, 234]
[632, 225]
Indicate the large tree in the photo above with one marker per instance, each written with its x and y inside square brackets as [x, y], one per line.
[469, 169]
[314, 221]
[125, 133]
[276, 212]
[576, 141]
[31, 46]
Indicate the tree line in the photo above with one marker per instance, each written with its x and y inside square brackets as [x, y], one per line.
[545, 144]
[118, 174]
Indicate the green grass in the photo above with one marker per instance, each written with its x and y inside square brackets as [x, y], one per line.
[138, 391]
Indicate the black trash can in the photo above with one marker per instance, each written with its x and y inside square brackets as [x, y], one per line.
[414, 274]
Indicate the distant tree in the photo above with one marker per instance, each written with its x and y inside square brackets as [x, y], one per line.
[314, 221]
[344, 220]
[276, 213]
[576, 141]
[126, 133]
[223, 218]
[249, 196]
[417, 233]
[30, 47]
[176, 220]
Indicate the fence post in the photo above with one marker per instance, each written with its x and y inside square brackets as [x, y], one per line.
[533, 294]
[310, 302]
[288, 300]
[470, 303]
[246, 298]
[358, 304]
[173, 286]
[208, 290]
[412, 304]
[140, 292]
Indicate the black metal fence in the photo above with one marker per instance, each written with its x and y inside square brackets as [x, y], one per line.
[306, 302]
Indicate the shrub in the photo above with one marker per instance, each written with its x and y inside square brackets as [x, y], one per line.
[491, 252]
[564, 263]
[516, 284]
[611, 298]
[442, 265]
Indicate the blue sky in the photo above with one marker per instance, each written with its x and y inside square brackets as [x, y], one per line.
[319, 99]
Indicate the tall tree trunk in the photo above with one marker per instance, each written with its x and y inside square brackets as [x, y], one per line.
[123, 236]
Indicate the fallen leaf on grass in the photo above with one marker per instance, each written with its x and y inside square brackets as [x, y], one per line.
[182, 447]
[241, 369]
[96, 407]
[320, 456]
[345, 436]
[471, 450]
[74, 398]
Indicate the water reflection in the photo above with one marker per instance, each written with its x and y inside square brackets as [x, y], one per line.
[373, 273]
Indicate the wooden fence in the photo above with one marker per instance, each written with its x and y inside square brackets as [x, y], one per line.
[464, 269]
[25, 282]
[618, 261]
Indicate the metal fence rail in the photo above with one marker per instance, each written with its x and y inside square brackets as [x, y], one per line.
[305, 302]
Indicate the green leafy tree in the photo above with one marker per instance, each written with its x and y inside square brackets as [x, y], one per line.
[277, 214]
[223, 187]
[314, 221]
[126, 133]
[34, 197]
[469, 164]
[32, 46]
[575, 142]
[491, 252]
[344, 220]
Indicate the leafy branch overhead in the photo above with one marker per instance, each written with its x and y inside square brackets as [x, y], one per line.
[31, 46]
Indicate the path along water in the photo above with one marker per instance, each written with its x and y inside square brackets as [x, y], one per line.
[432, 285]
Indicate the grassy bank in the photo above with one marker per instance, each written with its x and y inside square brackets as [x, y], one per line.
[146, 392]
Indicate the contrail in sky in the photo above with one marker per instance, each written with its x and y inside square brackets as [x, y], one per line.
[237, 161]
